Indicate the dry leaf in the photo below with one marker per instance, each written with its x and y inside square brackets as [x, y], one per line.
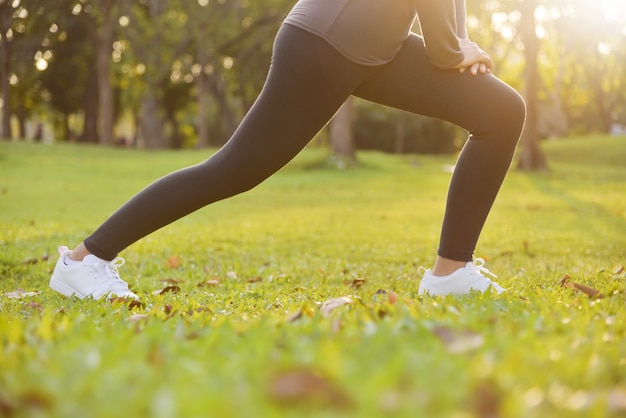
[255, 279]
[209, 283]
[173, 262]
[487, 400]
[393, 297]
[20, 294]
[336, 325]
[566, 281]
[618, 269]
[231, 275]
[332, 304]
[168, 308]
[138, 317]
[306, 388]
[617, 400]
[7, 406]
[356, 283]
[132, 303]
[170, 281]
[31, 261]
[34, 306]
[458, 341]
[199, 310]
[193, 335]
[36, 400]
[295, 316]
[173, 289]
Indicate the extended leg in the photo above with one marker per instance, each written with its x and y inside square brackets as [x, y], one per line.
[307, 82]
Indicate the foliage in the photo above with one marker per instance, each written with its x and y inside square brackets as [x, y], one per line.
[299, 297]
[221, 51]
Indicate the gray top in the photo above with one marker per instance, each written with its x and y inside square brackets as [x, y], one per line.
[371, 32]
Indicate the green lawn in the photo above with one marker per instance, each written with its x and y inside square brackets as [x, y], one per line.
[244, 332]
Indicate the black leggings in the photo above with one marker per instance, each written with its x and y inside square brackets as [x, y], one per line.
[307, 82]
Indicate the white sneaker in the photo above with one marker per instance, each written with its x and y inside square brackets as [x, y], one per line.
[461, 282]
[93, 277]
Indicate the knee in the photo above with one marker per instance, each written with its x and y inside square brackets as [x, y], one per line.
[503, 115]
[516, 110]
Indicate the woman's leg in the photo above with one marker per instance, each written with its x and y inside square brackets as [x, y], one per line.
[491, 111]
[307, 82]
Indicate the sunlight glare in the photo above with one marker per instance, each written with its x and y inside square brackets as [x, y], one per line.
[614, 10]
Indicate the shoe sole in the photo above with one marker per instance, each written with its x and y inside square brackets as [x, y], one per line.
[64, 289]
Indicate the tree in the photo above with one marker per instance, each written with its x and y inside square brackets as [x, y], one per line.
[341, 137]
[6, 49]
[531, 156]
[231, 48]
[104, 47]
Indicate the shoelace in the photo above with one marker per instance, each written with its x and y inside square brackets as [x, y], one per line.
[479, 267]
[110, 277]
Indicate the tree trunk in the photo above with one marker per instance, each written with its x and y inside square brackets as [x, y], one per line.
[21, 122]
[151, 127]
[5, 67]
[90, 128]
[202, 83]
[105, 90]
[176, 141]
[400, 133]
[341, 137]
[531, 156]
[226, 122]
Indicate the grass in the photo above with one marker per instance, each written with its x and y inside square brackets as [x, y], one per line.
[242, 333]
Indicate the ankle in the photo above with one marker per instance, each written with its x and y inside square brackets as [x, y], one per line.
[445, 266]
[79, 253]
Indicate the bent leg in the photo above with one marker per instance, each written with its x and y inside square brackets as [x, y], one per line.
[307, 82]
[491, 111]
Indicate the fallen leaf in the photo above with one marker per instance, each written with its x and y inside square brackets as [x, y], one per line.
[332, 304]
[393, 297]
[617, 400]
[173, 262]
[193, 335]
[336, 325]
[209, 283]
[7, 406]
[132, 303]
[356, 283]
[20, 294]
[31, 261]
[168, 308]
[36, 400]
[138, 317]
[487, 400]
[34, 306]
[618, 269]
[255, 279]
[458, 341]
[231, 275]
[390, 296]
[566, 281]
[199, 310]
[306, 388]
[295, 316]
[170, 281]
[172, 289]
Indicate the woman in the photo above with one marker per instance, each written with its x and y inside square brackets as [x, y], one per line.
[325, 51]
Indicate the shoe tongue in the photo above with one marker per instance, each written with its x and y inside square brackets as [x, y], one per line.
[92, 260]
